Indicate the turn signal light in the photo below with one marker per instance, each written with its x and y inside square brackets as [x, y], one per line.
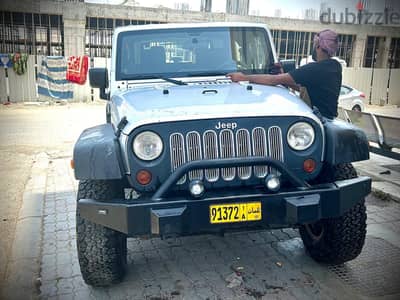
[72, 164]
[309, 165]
[143, 177]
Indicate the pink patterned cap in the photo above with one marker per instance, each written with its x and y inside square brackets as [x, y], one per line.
[328, 41]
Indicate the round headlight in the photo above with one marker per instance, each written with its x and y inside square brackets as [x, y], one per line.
[147, 145]
[300, 136]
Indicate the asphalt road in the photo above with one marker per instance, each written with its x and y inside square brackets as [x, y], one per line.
[36, 146]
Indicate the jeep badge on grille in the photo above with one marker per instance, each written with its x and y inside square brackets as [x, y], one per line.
[222, 125]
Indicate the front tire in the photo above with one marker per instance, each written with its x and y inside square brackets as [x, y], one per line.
[337, 240]
[101, 251]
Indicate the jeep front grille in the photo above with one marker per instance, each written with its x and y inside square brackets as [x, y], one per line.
[243, 149]
[177, 148]
[275, 145]
[193, 149]
[259, 149]
[226, 144]
[210, 146]
[227, 150]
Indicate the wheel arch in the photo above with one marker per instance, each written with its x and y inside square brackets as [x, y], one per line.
[97, 154]
[345, 143]
[358, 106]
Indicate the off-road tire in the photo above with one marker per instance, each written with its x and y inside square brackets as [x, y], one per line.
[337, 240]
[101, 251]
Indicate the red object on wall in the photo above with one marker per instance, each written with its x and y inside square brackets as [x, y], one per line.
[360, 6]
[77, 69]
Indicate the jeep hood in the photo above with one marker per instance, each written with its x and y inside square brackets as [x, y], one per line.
[153, 105]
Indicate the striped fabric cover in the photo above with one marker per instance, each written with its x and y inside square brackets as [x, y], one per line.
[52, 80]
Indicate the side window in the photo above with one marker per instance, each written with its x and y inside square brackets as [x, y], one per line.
[250, 49]
[344, 90]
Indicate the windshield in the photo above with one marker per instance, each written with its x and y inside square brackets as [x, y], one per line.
[187, 52]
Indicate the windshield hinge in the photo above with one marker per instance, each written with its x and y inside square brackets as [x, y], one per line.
[121, 125]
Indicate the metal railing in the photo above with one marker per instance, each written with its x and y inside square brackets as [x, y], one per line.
[382, 131]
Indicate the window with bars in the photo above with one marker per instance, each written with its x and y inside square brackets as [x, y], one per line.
[371, 50]
[99, 33]
[345, 50]
[299, 44]
[31, 33]
[292, 44]
[394, 54]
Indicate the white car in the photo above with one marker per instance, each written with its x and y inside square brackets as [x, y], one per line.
[309, 59]
[351, 99]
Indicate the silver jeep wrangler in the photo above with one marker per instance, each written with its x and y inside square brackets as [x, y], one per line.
[185, 151]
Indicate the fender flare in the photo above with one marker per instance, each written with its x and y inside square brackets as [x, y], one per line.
[97, 154]
[345, 143]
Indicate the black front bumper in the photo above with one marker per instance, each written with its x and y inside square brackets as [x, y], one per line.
[184, 216]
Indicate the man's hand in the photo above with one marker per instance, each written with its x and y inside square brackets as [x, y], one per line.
[266, 79]
[276, 69]
[237, 76]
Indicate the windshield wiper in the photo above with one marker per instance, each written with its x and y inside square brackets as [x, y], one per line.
[168, 79]
[174, 81]
[216, 73]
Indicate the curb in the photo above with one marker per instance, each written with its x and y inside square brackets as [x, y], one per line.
[385, 182]
[22, 273]
[38, 103]
[386, 191]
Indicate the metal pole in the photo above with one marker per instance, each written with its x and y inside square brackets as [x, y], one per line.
[5, 60]
[390, 74]
[7, 85]
[372, 77]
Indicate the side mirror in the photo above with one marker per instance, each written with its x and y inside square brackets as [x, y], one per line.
[288, 65]
[98, 78]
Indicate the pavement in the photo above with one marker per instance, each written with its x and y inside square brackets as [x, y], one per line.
[385, 173]
[387, 110]
[268, 264]
[26, 251]
[252, 265]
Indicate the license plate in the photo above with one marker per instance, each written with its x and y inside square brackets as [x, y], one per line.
[235, 212]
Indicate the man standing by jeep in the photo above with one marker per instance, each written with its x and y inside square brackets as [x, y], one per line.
[321, 79]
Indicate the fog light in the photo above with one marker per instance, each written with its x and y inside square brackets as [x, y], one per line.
[196, 188]
[273, 182]
[309, 165]
[143, 177]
